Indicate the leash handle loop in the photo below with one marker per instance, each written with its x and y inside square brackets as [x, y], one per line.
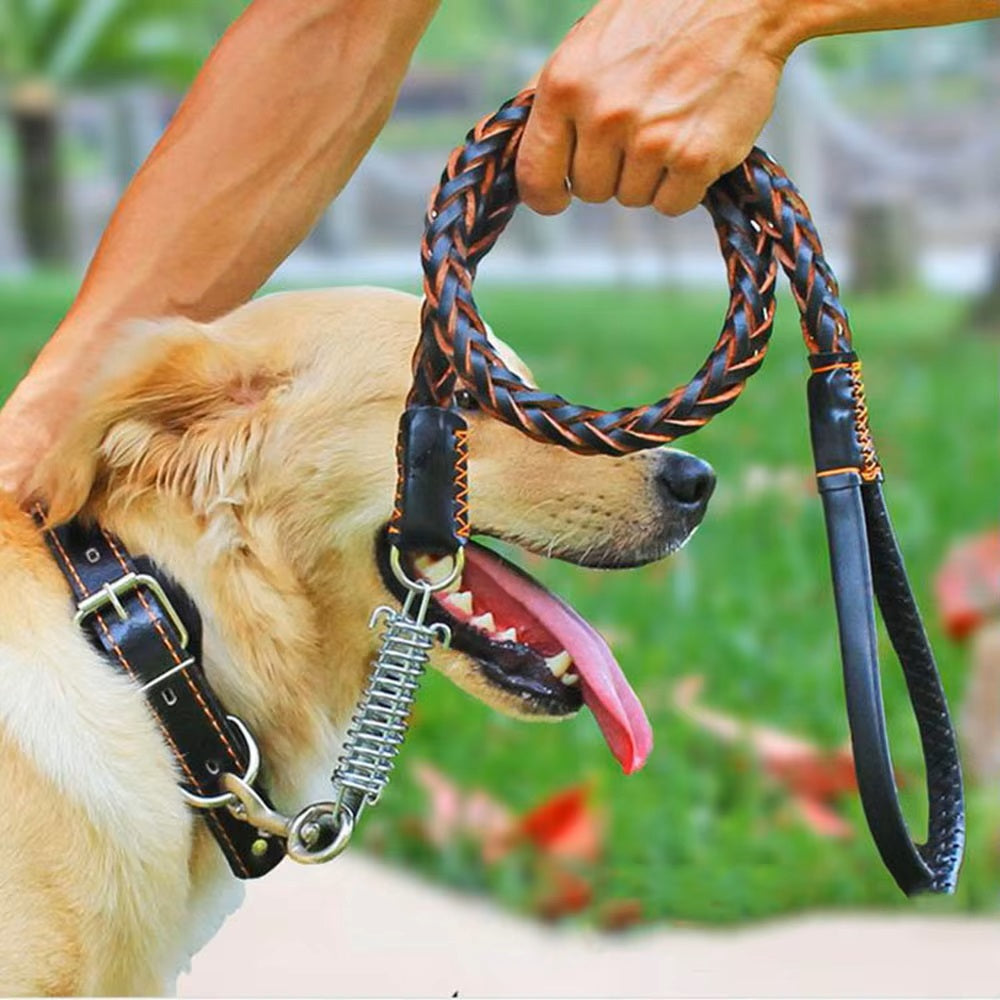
[761, 222]
[865, 558]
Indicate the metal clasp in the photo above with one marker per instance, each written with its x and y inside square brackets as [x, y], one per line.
[112, 592]
[303, 833]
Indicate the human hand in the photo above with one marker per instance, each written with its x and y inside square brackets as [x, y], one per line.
[650, 101]
[36, 414]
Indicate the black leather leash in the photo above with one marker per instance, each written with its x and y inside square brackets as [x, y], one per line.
[762, 221]
[150, 630]
[865, 558]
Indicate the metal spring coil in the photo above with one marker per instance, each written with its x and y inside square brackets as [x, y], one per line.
[379, 724]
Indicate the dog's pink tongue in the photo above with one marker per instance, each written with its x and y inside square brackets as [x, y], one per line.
[605, 690]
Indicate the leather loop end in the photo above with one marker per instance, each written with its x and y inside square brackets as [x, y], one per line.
[431, 510]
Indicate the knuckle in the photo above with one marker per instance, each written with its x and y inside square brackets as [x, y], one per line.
[560, 85]
[695, 160]
[647, 146]
[609, 116]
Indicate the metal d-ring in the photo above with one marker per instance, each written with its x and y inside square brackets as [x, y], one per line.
[249, 776]
[395, 561]
[305, 830]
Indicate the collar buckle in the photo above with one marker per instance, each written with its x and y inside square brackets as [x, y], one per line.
[111, 594]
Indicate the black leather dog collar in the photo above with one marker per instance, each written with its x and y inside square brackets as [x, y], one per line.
[149, 628]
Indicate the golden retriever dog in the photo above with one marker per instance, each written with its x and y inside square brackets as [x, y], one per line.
[253, 459]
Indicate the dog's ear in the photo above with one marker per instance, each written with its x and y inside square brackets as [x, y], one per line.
[174, 409]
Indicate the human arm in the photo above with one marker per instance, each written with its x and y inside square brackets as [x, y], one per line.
[650, 101]
[276, 122]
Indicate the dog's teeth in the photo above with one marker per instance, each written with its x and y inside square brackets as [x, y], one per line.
[484, 622]
[559, 663]
[570, 679]
[453, 587]
[462, 601]
[508, 635]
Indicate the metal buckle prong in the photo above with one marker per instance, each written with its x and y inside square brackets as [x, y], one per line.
[111, 594]
[189, 662]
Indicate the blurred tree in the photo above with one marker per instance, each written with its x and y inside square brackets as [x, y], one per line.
[48, 47]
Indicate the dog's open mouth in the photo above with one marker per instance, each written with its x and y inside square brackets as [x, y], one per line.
[529, 642]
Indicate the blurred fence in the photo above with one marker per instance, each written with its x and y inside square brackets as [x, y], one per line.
[929, 172]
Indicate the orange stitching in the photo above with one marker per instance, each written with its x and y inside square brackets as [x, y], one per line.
[69, 564]
[130, 670]
[837, 472]
[178, 756]
[158, 625]
[870, 467]
[397, 503]
[462, 481]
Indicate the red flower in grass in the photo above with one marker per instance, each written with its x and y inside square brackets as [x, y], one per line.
[566, 826]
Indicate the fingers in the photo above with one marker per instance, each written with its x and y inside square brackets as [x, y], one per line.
[544, 160]
[639, 179]
[681, 190]
[595, 168]
[564, 156]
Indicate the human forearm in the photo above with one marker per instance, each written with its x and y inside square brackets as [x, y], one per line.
[271, 130]
[273, 127]
[813, 18]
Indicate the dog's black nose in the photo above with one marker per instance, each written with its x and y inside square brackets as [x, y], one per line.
[685, 479]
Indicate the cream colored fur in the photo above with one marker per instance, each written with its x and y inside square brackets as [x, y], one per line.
[252, 458]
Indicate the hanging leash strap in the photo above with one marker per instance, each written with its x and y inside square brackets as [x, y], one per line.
[150, 630]
[761, 222]
[865, 558]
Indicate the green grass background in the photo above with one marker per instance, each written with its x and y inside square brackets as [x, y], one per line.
[700, 835]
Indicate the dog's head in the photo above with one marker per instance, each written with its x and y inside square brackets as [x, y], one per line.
[254, 458]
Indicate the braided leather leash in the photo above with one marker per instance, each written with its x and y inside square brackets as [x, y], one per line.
[761, 222]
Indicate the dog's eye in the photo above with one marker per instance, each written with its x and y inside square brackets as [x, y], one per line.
[464, 400]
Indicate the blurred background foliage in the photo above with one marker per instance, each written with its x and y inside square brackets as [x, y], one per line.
[893, 139]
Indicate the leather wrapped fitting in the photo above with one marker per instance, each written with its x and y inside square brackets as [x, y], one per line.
[837, 421]
[431, 510]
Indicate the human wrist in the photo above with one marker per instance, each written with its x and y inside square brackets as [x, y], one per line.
[806, 19]
[784, 26]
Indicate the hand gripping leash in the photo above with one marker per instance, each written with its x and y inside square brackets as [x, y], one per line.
[761, 221]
